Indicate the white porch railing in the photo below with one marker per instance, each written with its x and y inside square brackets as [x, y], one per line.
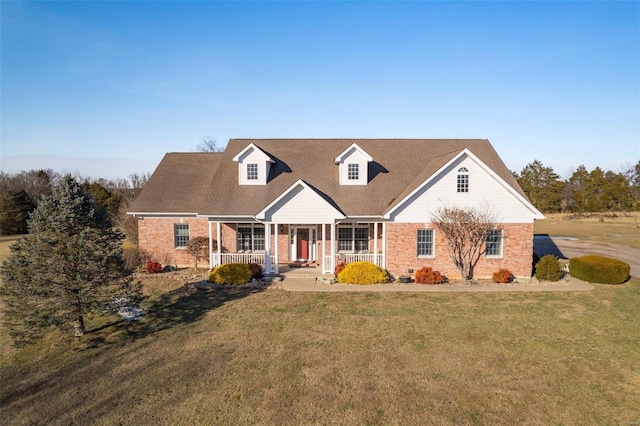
[360, 257]
[259, 258]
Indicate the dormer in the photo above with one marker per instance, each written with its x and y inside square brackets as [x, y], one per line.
[353, 166]
[253, 166]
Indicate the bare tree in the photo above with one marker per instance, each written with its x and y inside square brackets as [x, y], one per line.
[466, 231]
[209, 144]
[198, 247]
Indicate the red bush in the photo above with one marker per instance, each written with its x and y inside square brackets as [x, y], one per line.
[339, 267]
[503, 276]
[153, 268]
[256, 271]
[427, 275]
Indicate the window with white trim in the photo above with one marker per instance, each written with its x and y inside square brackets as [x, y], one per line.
[353, 171]
[353, 238]
[426, 238]
[463, 179]
[250, 237]
[252, 171]
[180, 235]
[494, 243]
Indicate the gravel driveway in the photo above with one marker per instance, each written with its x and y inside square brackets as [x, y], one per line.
[566, 248]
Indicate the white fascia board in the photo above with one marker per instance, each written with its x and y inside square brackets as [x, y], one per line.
[536, 213]
[262, 214]
[248, 147]
[152, 214]
[357, 148]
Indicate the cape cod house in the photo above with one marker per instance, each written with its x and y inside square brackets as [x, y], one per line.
[277, 201]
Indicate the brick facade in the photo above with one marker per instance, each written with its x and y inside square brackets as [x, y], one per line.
[156, 241]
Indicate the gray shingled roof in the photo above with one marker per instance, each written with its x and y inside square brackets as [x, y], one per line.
[207, 183]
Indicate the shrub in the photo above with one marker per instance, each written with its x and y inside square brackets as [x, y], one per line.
[256, 270]
[153, 268]
[339, 267]
[599, 269]
[502, 276]
[427, 275]
[131, 256]
[231, 274]
[549, 268]
[362, 273]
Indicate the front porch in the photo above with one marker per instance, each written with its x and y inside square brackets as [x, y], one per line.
[275, 245]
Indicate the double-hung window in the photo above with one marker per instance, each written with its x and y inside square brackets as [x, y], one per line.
[494, 243]
[353, 238]
[252, 171]
[463, 179]
[353, 171]
[180, 235]
[250, 237]
[426, 238]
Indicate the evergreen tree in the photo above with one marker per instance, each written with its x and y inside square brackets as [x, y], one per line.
[70, 264]
[542, 185]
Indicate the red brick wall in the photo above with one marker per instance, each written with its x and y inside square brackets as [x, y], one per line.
[402, 251]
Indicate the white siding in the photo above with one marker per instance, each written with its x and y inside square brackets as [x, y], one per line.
[302, 205]
[485, 191]
[354, 157]
[253, 156]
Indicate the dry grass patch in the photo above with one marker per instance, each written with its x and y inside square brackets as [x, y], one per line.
[237, 356]
[614, 228]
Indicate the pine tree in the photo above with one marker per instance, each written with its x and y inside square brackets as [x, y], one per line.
[70, 264]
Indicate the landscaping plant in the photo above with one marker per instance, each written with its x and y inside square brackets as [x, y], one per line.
[502, 276]
[549, 268]
[362, 273]
[427, 275]
[599, 269]
[153, 268]
[231, 274]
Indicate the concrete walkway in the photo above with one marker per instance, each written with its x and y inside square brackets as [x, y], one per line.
[296, 283]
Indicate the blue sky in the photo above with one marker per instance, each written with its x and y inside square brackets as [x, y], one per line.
[106, 88]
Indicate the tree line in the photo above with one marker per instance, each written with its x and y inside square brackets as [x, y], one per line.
[21, 192]
[582, 190]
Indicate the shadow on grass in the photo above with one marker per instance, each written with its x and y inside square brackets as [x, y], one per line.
[175, 308]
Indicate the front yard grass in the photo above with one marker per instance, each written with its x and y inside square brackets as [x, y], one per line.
[237, 356]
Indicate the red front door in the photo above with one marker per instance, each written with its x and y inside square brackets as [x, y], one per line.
[302, 242]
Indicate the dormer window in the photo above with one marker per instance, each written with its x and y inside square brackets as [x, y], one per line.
[253, 166]
[353, 166]
[353, 171]
[252, 171]
[463, 179]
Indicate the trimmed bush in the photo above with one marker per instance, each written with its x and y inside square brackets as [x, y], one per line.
[256, 271]
[339, 267]
[502, 276]
[153, 268]
[426, 275]
[363, 273]
[599, 269]
[231, 274]
[549, 268]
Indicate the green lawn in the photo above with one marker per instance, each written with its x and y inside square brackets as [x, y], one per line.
[274, 357]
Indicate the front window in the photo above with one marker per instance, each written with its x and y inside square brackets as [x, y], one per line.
[425, 242]
[353, 171]
[180, 235]
[252, 171]
[353, 238]
[463, 179]
[494, 243]
[250, 238]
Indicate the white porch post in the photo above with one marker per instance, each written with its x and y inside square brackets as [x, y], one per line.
[384, 245]
[333, 247]
[324, 247]
[267, 244]
[210, 246]
[375, 240]
[275, 232]
[219, 242]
